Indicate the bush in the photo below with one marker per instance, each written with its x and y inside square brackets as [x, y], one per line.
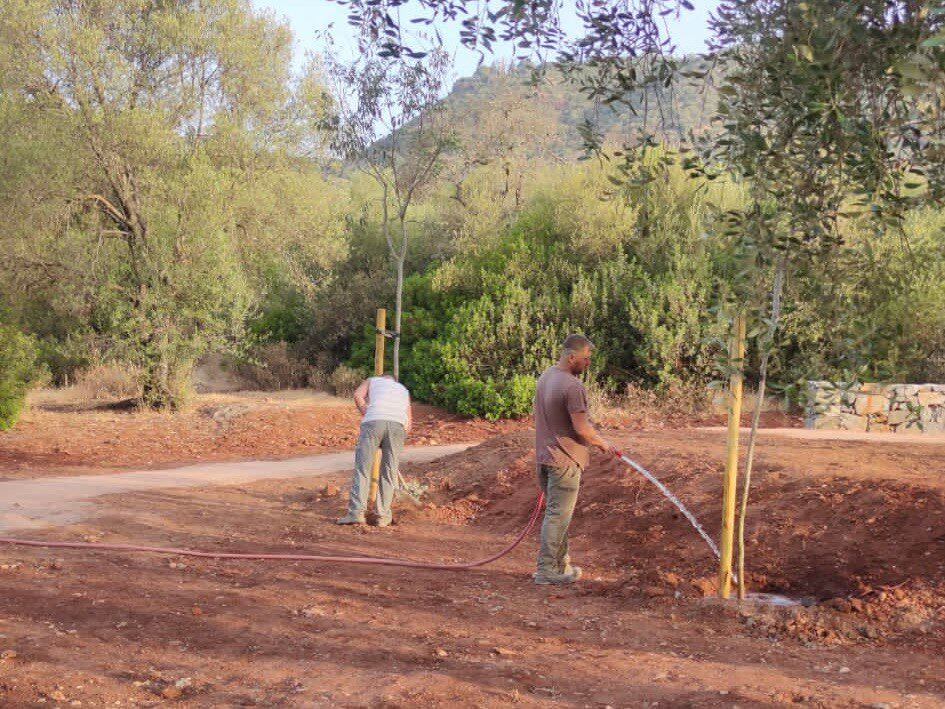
[275, 366]
[344, 380]
[109, 380]
[18, 371]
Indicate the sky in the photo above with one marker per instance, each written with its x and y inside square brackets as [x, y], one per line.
[310, 17]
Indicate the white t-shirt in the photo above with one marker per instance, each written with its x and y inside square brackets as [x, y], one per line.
[387, 401]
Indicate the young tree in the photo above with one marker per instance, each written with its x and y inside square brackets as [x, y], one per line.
[393, 126]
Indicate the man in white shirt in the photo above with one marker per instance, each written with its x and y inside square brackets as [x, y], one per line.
[385, 408]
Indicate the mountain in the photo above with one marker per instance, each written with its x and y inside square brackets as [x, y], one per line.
[557, 108]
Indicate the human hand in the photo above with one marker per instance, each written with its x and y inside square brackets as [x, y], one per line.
[611, 449]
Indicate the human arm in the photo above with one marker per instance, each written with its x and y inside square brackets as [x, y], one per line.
[589, 435]
[361, 396]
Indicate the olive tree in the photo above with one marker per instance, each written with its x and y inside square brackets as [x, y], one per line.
[393, 126]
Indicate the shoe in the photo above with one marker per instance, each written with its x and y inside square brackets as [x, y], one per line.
[351, 518]
[546, 578]
[383, 522]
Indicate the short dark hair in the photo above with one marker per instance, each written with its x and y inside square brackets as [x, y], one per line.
[575, 343]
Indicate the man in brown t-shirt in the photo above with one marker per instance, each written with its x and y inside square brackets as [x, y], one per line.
[563, 432]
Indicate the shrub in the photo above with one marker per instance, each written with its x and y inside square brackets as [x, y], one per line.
[344, 380]
[17, 372]
[275, 365]
[109, 380]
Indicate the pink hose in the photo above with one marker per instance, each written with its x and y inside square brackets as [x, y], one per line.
[283, 557]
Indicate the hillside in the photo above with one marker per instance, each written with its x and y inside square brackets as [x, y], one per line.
[560, 107]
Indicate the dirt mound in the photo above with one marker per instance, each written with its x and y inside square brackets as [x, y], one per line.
[870, 550]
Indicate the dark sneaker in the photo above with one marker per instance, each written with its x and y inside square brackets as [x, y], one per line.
[543, 578]
[351, 519]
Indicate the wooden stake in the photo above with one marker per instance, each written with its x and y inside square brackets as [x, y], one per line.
[379, 324]
[736, 353]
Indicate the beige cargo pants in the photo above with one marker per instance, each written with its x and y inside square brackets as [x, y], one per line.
[561, 486]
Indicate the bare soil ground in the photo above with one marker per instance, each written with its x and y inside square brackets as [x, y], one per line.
[854, 529]
[63, 435]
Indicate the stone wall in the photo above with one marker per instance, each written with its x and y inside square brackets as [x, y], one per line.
[912, 408]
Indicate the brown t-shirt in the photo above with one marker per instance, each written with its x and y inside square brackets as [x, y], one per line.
[559, 394]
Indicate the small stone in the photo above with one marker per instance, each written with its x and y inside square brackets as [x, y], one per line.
[843, 605]
[196, 610]
[672, 579]
[57, 696]
[843, 670]
[504, 652]
[7, 655]
[440, 652]
[171, 692]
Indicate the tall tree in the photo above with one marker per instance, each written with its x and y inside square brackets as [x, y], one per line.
[162, 111]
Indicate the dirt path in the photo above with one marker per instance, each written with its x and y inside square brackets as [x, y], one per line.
[855, 529]
[807, 434]
[64, 500]
[58, 437]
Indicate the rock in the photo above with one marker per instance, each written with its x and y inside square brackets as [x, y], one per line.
[440, 652]
[171, 692]
[8, 655]
[902, 392]
[866, 404]
[857, 605]
[57, 696]
[842, 605]
[196, 610]
[931, 398]
[707, 587]
[850, 422]
[672, 579]
[826, 423]
[504, 652]
[896, 418]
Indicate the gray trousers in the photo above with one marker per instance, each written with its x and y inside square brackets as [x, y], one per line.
[389, 437]
[561, 487]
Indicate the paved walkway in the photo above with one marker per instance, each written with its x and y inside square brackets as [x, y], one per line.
[54, 501]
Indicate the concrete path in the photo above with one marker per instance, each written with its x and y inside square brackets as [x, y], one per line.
[54, 501]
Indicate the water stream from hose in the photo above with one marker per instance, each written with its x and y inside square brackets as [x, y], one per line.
[678, 503]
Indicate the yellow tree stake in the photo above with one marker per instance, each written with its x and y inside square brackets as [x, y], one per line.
[736, 352]
[379, 324]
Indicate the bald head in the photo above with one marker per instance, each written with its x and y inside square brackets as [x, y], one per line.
[576, 354]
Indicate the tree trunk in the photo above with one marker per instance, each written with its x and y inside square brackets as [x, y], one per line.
[776, 289]
[397, 310]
